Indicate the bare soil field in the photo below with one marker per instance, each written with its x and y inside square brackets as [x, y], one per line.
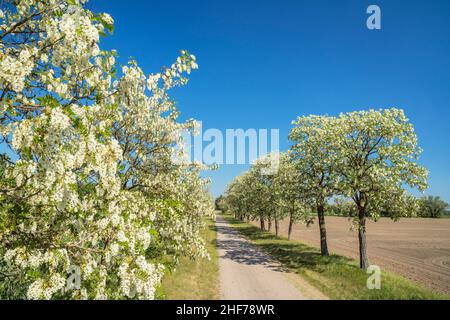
[418, 249]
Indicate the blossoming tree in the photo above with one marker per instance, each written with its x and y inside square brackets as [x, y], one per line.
[91, 196]
[290, 196]
[376, 159]
[314, 156]
[236, 197]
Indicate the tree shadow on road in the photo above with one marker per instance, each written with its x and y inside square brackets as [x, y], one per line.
[293, 255]
[240, 250]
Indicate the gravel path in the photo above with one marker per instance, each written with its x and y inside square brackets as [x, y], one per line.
[248, 273]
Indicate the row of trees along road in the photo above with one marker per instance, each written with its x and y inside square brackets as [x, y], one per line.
[89, 189]
[366, 157]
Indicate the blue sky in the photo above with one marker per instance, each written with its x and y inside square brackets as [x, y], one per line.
[262, 63]
[265, 62]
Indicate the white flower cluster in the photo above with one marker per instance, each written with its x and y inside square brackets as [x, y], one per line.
[107, 18]
[15, 69]
[141, 279]
[41, 289]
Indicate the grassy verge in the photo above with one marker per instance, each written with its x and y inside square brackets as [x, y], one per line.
[195, 279]
[336, 276]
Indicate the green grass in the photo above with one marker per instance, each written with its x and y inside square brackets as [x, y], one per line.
[195, 279]
[336, 276]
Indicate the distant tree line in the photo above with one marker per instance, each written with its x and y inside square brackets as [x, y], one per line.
[429, 207]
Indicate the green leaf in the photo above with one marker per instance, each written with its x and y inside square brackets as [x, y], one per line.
[48, 101]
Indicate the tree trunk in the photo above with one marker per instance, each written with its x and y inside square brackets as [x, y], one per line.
[363, 258]
[270, 224]
[323, 230]
[277, 226]
[263, 226]
[291, 223]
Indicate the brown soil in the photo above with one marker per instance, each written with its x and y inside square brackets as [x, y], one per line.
[418, 249]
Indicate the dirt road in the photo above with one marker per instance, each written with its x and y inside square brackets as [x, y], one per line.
[416, 248]
[248, 273]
